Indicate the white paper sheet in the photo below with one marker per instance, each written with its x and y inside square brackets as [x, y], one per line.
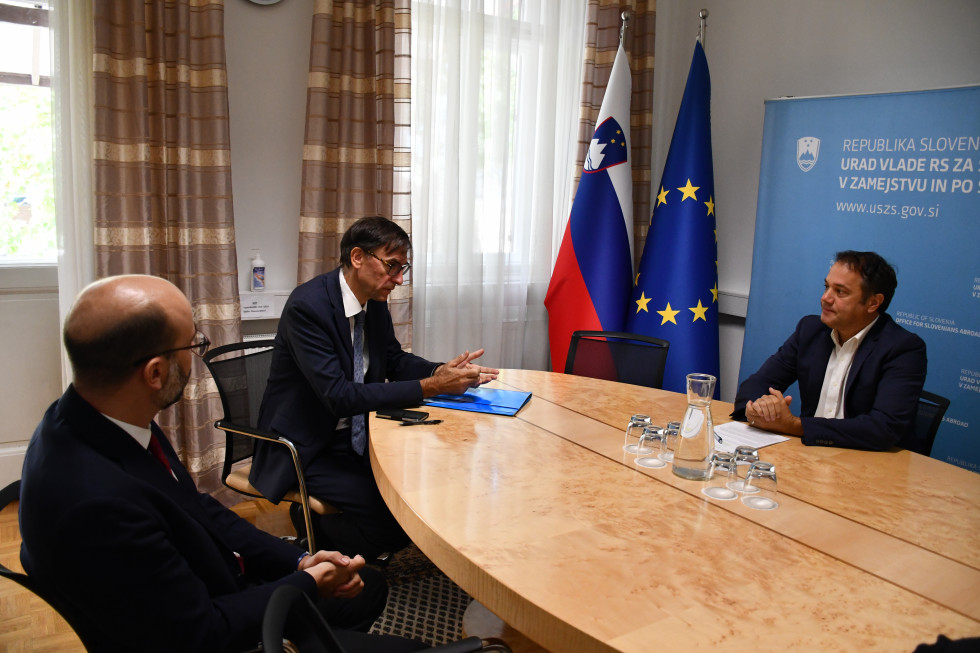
[737, 434]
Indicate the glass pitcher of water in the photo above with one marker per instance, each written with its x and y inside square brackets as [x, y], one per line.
[695, 441]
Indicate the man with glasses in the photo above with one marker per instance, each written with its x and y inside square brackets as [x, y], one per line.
[112, 524]
[336, 358]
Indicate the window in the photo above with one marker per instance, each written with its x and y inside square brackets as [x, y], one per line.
[496, 94]
[27, 214]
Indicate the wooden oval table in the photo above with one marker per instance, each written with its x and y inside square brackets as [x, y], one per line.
[546, 521]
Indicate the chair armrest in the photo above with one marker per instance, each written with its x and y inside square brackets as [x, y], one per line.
[226, 425]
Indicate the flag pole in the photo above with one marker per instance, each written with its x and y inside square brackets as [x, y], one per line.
[625, 16]
[703, 15]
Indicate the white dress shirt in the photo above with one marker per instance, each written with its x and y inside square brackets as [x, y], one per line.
[831, 403]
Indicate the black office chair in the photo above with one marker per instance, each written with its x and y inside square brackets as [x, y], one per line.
[7, 495]
[241, 372]
[293, 624]
[928, 417]
[614, 356]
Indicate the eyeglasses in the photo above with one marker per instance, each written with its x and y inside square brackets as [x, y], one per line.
[393, 267]
[200, 347]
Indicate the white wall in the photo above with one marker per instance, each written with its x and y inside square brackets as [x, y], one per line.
[31, 354]
[268, 57]
[761, 49]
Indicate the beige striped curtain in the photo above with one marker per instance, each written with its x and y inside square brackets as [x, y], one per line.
[357, 145]
[162, 174]
[601, 42]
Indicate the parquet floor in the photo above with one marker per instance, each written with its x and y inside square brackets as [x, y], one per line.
[28, 624]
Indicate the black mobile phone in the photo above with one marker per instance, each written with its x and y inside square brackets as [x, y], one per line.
[402, 415]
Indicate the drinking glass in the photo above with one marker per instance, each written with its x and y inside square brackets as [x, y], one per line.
[634, 430]
[745, 450]
[722, 473]
[670, 441]
[743, 457]
[761, 478]
[651, 445]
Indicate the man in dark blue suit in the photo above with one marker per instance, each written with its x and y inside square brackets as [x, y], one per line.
[112, 524]
[315, 399]
[860, 373]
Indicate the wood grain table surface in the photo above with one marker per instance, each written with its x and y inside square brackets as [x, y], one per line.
[544, 519]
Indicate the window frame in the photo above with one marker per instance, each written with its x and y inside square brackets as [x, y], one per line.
[19, 275]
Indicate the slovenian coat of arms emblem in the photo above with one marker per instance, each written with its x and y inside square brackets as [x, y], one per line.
[807, 151]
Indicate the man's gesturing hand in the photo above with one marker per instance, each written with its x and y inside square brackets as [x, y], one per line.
[457, 375]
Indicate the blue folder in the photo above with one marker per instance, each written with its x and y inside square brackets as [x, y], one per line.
[483, 400]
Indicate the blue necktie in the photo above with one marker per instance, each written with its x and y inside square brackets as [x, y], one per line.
[358, 432]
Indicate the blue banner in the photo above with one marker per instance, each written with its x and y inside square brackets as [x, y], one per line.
[895, 173]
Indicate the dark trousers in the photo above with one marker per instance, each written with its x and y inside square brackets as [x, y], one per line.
[350, 619]
[360, 612]
[344, 479]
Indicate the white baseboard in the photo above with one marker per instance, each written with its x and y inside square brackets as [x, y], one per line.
[11, 463]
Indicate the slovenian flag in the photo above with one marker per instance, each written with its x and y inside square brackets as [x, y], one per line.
[676, 293]
[590, 285]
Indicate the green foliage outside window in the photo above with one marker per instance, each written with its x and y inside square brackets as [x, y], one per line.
[27, 213]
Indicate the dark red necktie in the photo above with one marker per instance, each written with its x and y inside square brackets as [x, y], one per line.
[157, 452]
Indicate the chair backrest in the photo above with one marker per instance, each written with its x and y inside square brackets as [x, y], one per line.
[290, 614]
[928, 417]
[241, 373]
[614, 356]
[82, 628]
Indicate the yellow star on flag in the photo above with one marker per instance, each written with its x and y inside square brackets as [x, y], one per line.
[668, 315]
[662, 197]
[636, 281]
[714, 293]
[710, 204]
[641, 303]
[699, 312]
[689, 191]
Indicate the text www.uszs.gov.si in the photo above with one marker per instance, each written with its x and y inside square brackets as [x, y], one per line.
[904, 211]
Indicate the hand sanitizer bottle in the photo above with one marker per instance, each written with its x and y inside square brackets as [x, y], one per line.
[257, 272]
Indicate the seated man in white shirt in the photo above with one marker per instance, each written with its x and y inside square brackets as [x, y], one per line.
[860, 373]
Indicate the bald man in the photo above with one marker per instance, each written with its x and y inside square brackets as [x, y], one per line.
[113, 526]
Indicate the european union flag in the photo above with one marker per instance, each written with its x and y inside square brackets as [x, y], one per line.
[675, 295]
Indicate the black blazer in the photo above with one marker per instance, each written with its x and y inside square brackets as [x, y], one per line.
[880, 396]
[311, 381]
[146, 560]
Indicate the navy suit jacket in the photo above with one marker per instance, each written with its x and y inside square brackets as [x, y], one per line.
[311, 381]
[880, 396]
[145, 561]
